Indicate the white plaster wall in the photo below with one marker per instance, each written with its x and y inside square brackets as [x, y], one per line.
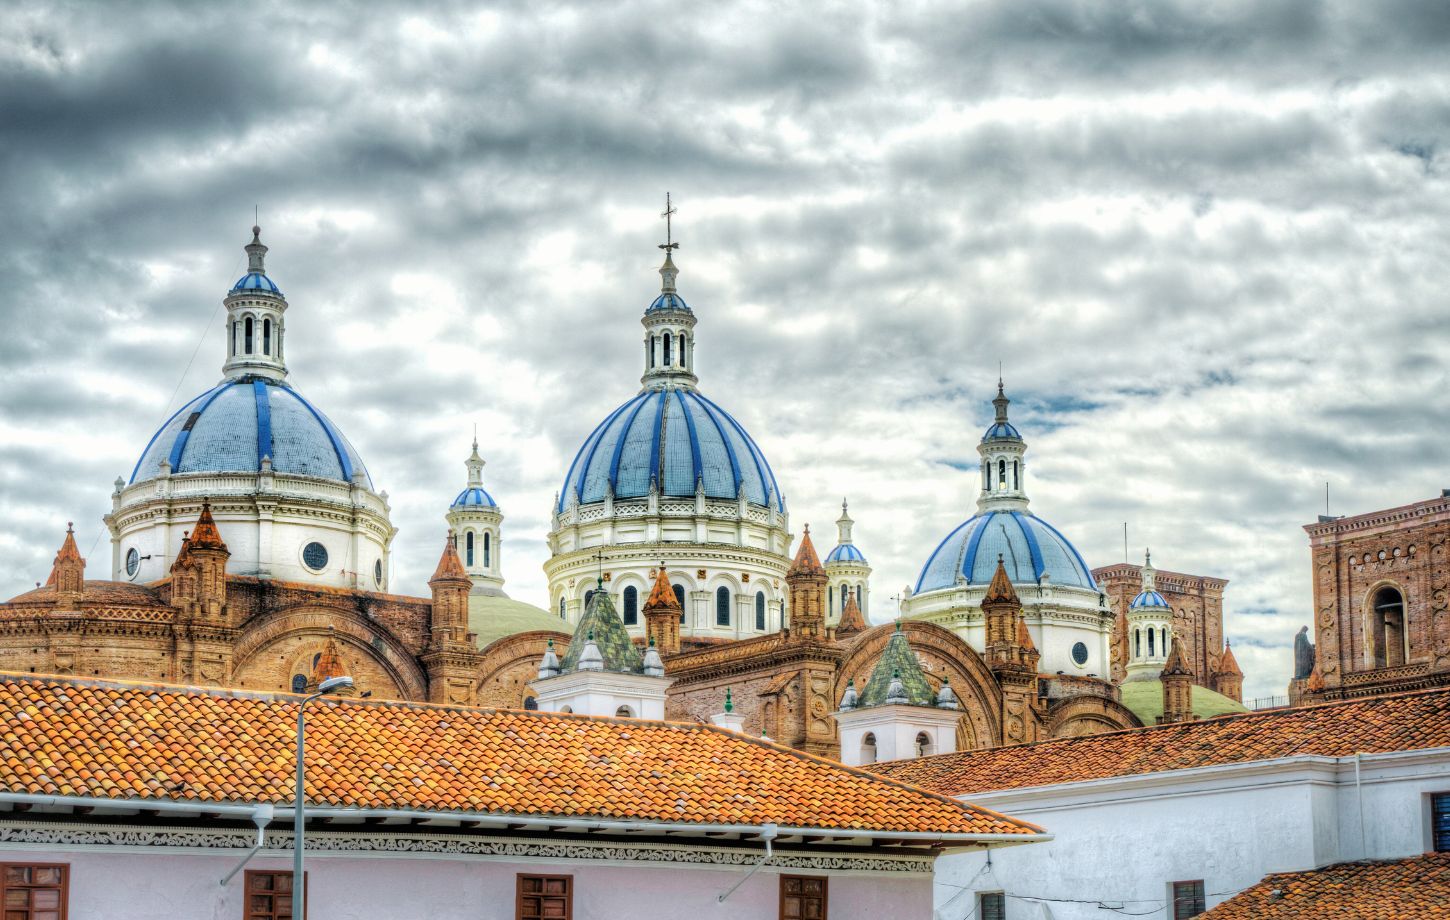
[147, 886]
[1122, 842]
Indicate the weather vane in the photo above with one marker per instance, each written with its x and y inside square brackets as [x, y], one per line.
[669, 212]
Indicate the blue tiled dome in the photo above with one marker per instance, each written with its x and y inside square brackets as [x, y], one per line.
[232, 426]
[846, 552]
[1149, 599]
[1001, 430]
[255, 281]
[473, 497]
[671, 437]
[1028, 545]
[668, 301]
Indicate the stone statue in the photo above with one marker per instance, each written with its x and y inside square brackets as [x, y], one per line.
[1303, 654]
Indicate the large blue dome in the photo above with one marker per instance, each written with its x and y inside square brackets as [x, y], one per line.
[671, 437]
[232, 426]
[1028, 545]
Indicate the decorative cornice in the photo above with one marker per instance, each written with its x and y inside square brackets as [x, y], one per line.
[52, 835]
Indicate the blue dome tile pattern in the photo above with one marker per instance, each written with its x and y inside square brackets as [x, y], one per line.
[1148, 599]
[232, 426]
[1001, 430]
[1028, 545]
[670, 437]
[668, 301]
[846, 552]
[473, 497]
[256, 281]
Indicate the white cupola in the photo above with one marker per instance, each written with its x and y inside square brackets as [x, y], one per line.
[1150, 627]
[669, 325]
[477, 524]
[1004, 466]
[256, 329]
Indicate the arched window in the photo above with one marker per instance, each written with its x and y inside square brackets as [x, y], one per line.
[631, 606]
[861, 598]
[468, 551]
[1387, 627]
[588, 596]
[1001, 474]
[845, 596]
[722, 606]
[1016, 480]
[923, 745]
[247, 334]
[668, 354]
[868, 748]
[562, 614]
[650, 345]
[831, 597]
[236, 331]
[987, 475]
[1137, 643]
[530, 703]
[1150, 643]
[267, 336]
[487, 549]
[680, 598]
[1165, 642]
[624, 712]
[760, 610]
[681, 344]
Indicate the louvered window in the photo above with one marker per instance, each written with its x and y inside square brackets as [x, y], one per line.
[992, 905]
[1187, 899]
[1440, 818]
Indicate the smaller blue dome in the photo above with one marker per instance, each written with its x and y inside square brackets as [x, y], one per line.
[1148, 599]
[256, 281]
[668, 302]
[846, 552]
[1029, 546]
[1001, 430]
[473, 498]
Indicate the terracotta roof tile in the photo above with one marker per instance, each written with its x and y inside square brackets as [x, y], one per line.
[662, 595]
[1401, 722]
[1175, 665]
[1416, 887]
[851, 618]
[114, 740]
[806, 561]
[69, 552]
[206, 535]
[450, 567]
[1227, 663]
[999, 589]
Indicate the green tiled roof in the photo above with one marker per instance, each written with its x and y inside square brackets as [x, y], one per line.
[494, 617]
[898, 658]
[618, 650]
[1145, 699]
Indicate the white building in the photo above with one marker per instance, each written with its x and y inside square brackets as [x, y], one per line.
[1198, 811]
[1067, 613]
[476, 523]
[847, 573]
[443, 812]
[671, 477]
[290, 495]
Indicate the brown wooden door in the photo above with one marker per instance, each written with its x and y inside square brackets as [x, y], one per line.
[802, 897]
[545, 897]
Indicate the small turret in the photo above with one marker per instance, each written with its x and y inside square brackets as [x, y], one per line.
[806, 585]
[850, 698]
[1177, 689]
[662, 614]
[549, 667]
[603, 673]
[898, 714]
[591, 659]
[68, 571]
[653, 665]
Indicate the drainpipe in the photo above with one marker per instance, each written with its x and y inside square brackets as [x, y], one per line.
[261, 816]
[767, 833]
[1359, 793]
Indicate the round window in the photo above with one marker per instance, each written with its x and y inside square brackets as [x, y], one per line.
[378, 572]
[1079, 654]
[133, 562]
[314, 556]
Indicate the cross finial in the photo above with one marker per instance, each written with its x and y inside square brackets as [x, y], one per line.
[668, 213]
[599, 556]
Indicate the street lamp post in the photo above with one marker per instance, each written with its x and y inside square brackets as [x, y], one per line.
[299, 881]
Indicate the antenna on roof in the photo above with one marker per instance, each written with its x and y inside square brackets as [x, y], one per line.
[1125, 542]
[1326, 498]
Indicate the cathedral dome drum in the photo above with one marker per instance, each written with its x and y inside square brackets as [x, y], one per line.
[673, 441]
[671, 477]
[291, 496]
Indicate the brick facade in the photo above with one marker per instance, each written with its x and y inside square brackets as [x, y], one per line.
[1381, 602]
[1197, 604]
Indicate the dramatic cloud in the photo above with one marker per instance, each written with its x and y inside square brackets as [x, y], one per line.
[1207, 242]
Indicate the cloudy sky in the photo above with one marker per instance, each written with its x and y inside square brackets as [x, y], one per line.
[1206, 241]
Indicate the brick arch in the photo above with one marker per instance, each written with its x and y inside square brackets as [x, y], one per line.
[362, 640]
[510, 663]
[947, 654]
[1088, 715]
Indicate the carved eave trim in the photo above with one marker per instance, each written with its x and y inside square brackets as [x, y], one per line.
[91, 836]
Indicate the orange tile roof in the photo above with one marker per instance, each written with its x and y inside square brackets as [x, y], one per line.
[662, 595]
[450, 567]
[1174, 665]
[126, 741]
[69, 552]
[1227, 663]
[806, 561]
[851, 618]
[1396, 889]
[999, 589]
[206, 535]
[1403, 722]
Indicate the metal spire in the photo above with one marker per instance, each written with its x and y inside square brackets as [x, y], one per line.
[668, 213]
